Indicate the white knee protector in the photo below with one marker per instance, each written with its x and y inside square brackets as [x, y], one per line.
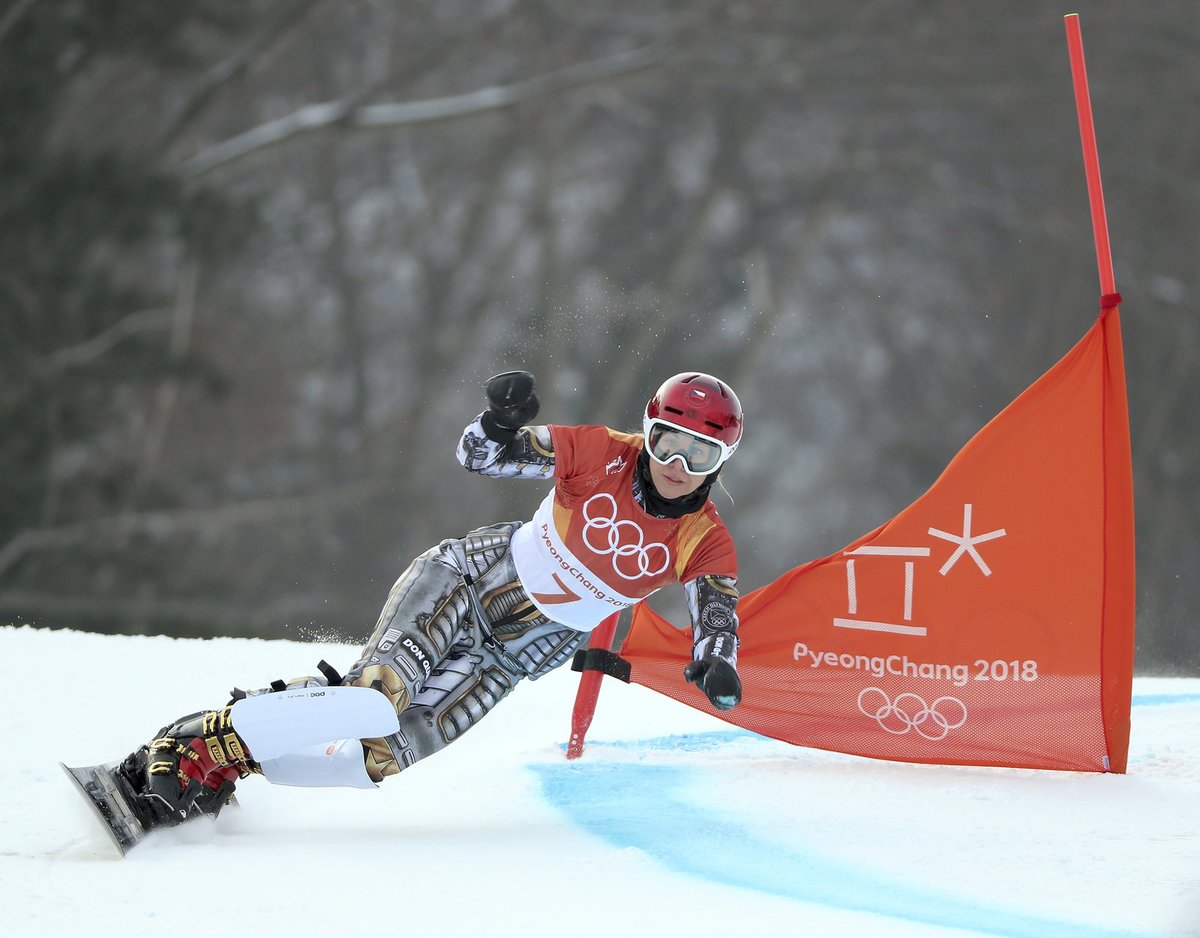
[338, 764]
[309, 736]
[272, 725]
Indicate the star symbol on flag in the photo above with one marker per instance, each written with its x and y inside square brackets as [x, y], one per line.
[966, 543]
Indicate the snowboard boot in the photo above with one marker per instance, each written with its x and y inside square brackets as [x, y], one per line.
[188, 770]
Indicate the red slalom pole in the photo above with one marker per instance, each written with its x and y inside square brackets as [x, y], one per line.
[1118, 620]
[1091, 162]
[589, 688]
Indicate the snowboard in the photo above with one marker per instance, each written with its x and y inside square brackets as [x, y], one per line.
[100, 788]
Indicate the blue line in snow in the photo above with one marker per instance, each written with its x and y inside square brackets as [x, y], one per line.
[1160, 700]
[644, 806]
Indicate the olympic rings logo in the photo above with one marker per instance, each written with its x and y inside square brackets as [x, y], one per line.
[622, 539]
[910, 712]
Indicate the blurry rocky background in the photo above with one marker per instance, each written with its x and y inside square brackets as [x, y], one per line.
[258, 256]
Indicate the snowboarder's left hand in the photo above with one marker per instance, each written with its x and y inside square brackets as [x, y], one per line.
[718, 679]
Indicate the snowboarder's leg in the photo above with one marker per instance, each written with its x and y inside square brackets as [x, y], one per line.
[426, 608]
[441, 672]
[463, 689]
[191, 766]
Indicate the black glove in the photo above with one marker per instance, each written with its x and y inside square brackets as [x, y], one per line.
[512, 403]
[718, 679]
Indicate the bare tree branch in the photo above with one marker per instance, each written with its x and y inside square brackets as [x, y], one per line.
[316, 117]
[274, 36]
[76, 356]
[168, 391]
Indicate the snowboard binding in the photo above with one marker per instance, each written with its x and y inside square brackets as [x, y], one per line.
[188, 770]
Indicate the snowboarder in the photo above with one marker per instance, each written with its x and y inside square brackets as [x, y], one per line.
[474, 615]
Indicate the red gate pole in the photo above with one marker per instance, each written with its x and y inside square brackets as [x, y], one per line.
[1091, 162]
[1118, 619]
[589, 688]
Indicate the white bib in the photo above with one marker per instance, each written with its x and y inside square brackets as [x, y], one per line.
[557, 581]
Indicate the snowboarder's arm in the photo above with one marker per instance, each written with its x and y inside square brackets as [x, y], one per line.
[528, 455]
[712, 602]
[499, 442]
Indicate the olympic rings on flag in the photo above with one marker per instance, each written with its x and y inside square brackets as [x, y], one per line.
[634, 539]
[910, 712]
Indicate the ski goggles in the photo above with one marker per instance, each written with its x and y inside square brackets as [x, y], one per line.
[667, 442]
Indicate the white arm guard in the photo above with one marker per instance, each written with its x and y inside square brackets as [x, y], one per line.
[529, 455]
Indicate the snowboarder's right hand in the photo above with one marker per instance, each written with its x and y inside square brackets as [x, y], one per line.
[719, 680]
[512, 403]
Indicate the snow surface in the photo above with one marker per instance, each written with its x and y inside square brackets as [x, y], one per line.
[673, 823]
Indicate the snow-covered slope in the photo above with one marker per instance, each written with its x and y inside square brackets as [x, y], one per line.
[671, 824]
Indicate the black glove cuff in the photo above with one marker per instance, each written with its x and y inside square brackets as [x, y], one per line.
[496, 430]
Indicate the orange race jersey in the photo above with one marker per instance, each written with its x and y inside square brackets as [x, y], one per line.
[591, 549]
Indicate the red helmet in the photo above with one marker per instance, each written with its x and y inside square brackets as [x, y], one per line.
[698, 404]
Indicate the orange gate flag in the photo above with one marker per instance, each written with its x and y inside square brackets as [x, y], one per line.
[989, 623]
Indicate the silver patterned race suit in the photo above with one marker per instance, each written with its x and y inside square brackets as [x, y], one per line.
[445, 657]
[473, 616]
